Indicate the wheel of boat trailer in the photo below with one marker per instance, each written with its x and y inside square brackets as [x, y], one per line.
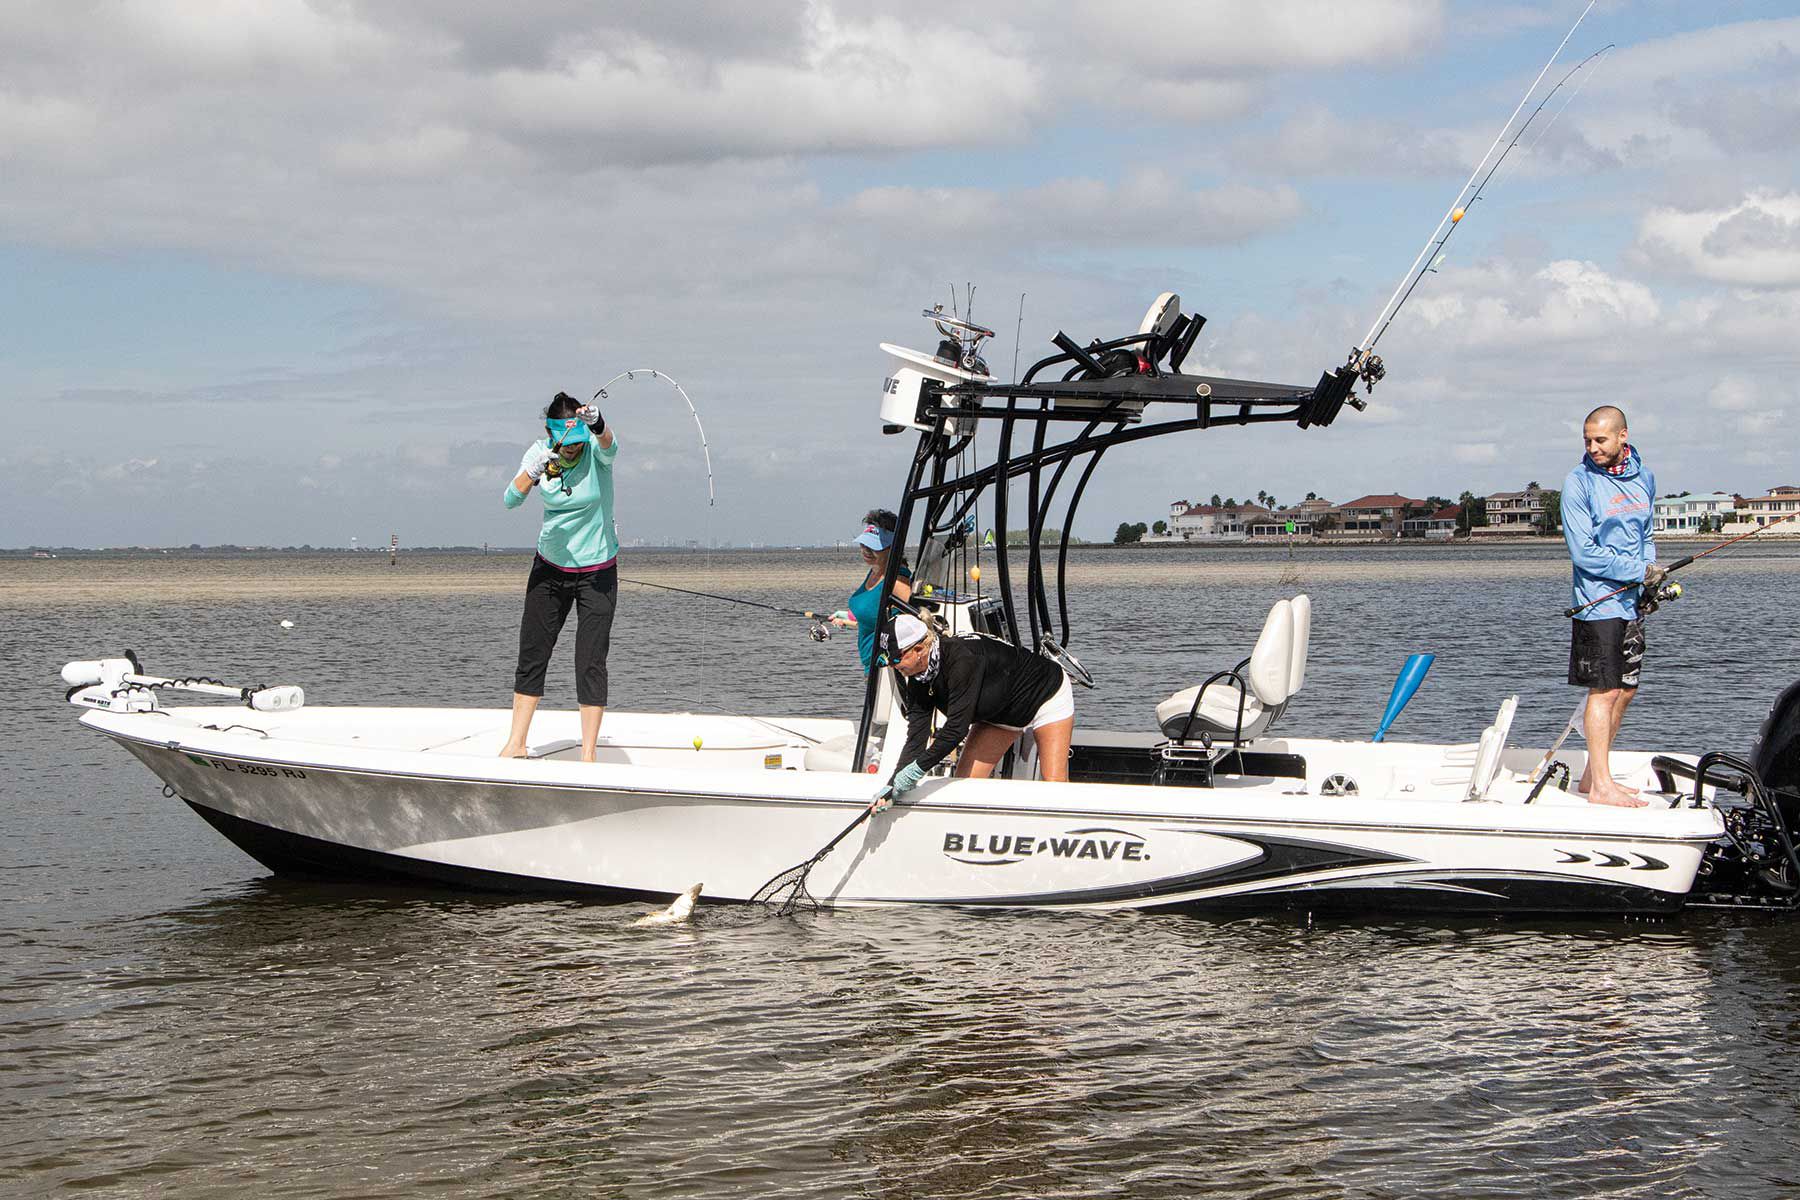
[1069, 663]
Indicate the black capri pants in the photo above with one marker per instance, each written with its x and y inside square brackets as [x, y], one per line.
[548, 595]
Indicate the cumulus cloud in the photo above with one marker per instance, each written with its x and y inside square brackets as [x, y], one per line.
[1754, 242]
[1497, 305]
[527, 197]
[1146, 206]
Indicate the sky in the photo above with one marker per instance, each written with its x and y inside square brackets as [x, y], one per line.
[303, 271]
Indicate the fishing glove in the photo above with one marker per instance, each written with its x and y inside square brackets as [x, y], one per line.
[591, 414]
[904, 780]
[1648, 600]
[536, 459]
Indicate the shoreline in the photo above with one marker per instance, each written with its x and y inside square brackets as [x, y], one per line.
[57, 553]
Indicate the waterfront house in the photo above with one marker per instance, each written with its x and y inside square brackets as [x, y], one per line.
[1213, 522]
[1688, 511]
[1375, 516]
[1780, 502]
[1439, 526]
[1514, 512]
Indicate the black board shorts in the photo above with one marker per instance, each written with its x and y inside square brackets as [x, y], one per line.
[1606, 654]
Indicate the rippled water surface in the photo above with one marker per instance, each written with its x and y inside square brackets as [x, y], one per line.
[173, 1021]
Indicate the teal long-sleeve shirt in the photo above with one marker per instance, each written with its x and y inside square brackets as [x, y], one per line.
[578, 509]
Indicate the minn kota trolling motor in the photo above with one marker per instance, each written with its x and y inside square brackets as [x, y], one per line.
[119, 685]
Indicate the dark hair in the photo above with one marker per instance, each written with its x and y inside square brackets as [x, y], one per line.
[881, 518]
[564, 405]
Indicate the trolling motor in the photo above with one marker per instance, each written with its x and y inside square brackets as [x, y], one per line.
[119, 685]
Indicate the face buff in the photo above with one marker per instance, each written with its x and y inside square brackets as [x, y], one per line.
[933, 662]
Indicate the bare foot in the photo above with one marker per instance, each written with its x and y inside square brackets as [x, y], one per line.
[511, 751]
[1617, 797]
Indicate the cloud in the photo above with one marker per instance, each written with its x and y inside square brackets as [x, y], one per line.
[1497, 306]
[1317, 141]
[521, 198]
[854, 87]
[1755, 242]
[1475, 452]
[1221, 36]
[1148, 205]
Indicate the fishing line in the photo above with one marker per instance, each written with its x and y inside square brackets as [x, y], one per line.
[1454, 215]
[820, 632]
[1554, 117]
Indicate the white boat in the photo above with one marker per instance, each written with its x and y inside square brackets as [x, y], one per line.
[1211, 804]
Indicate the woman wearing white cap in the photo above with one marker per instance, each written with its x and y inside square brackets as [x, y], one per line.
[989, 691]
[876, 542]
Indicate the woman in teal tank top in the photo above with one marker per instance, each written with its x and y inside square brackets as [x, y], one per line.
[876, 542]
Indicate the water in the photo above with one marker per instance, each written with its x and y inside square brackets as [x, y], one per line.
[174, 1021]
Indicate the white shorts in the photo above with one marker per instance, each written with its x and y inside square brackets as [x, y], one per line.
[1059, 707]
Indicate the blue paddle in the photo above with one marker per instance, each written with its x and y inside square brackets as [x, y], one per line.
[1411, 676]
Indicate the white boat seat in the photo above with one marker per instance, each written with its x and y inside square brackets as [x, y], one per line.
[1240, 704]
[1217, 715]
[1491, 746]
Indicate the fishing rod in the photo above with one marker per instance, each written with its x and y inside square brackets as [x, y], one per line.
[705, 450]
[1363, 359]
[1682, 562]
[820, 631]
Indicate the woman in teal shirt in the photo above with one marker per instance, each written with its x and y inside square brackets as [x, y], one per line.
[876, 542]
[576, 564]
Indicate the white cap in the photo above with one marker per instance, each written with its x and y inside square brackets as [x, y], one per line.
[909, 631]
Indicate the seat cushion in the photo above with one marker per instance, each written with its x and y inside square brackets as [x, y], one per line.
[1217, 716]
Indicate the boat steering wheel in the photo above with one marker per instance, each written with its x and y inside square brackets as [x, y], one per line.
[1070, 665]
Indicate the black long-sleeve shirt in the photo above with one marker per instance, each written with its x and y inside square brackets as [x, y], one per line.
[978, 679]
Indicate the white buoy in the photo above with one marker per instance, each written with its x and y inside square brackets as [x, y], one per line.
[286, 624]
[677, 913]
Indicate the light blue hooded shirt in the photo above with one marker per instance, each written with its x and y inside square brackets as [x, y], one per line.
[1606, 522]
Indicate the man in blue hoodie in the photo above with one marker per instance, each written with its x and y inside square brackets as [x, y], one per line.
[1606, 507]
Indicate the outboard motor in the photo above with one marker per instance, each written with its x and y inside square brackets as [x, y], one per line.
[1776, 751]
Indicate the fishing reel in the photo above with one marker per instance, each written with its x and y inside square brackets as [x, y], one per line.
[1649, 602]
[1369, 370]
[819, 632]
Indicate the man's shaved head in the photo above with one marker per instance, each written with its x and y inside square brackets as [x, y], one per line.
[1607, 416]
[1603, 435]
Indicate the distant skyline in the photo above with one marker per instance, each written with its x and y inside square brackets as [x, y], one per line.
[295, 272]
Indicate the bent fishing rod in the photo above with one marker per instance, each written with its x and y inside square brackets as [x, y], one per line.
[1682, 562]
[1363, 360]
